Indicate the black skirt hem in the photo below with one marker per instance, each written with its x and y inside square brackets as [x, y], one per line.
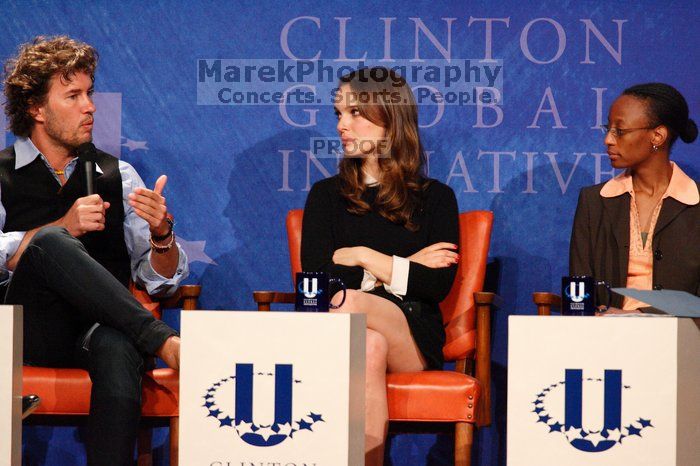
[425, 323]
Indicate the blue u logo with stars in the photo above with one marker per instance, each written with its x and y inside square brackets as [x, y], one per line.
[573, 408]
[613, 430]
[242, 420]
[244, 402]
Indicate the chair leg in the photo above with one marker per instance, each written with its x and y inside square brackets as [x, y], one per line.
[144, 447]
[174, 440]
[464, 438]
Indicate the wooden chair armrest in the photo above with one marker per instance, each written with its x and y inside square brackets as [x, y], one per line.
[185, 297]
[545, 302]
[482, 366]
[264, 298]
[485, 297]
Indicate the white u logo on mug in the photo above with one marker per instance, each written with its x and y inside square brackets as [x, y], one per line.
[577, 297]
[314, 287]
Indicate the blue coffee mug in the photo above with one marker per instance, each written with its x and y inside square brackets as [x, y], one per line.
[313, 292]
[578, 295]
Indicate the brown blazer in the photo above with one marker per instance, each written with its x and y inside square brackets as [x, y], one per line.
[600, 241]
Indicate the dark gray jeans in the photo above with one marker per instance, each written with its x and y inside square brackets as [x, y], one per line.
[64, 292]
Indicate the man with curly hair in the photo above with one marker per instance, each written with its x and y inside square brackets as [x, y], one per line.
[67, 256]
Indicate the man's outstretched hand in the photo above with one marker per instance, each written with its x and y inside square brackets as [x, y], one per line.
[149, 204]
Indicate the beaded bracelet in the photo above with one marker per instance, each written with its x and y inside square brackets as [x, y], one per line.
[161, 249]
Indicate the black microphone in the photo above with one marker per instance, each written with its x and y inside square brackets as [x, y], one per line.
[87, 153]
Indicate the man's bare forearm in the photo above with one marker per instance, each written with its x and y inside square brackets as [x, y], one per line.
[165, 264]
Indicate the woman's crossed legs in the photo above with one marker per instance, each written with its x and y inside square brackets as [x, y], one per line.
[390, 348]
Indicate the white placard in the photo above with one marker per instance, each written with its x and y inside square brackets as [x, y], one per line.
[10, 385]
[603, 391]
[272, 388]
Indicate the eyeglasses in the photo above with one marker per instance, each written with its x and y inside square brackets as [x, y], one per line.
[619, 132]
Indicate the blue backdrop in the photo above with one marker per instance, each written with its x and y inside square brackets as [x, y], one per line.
[235, 170]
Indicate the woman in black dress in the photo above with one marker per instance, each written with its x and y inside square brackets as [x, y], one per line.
[388, 232]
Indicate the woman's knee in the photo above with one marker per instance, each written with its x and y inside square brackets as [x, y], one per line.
[377, 350]
[351, 302]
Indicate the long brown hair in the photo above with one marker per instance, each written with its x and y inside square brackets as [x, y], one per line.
[385, 99]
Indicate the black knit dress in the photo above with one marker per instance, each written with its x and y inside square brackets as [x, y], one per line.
[328, 226]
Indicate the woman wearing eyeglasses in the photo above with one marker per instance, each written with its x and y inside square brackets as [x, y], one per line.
[641, 229]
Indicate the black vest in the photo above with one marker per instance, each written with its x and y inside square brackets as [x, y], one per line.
[32, 197]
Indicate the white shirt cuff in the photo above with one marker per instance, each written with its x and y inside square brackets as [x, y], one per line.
[155, 283]
[369, 281]
[399, 277]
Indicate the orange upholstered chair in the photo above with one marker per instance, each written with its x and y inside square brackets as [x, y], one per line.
[65, 393]
[459, 398]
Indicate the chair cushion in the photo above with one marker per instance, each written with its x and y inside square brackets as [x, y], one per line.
[67, 391]
[432, 396]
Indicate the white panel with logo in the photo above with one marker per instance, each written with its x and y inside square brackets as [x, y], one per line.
[272, 388]
[10, 385]
[603, 391]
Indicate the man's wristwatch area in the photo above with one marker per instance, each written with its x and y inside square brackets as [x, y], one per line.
[163, 248]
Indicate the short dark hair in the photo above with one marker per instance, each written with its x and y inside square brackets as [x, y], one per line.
[28, 74]
[666, 106]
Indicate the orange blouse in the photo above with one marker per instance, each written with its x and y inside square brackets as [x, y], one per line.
[640, 266]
